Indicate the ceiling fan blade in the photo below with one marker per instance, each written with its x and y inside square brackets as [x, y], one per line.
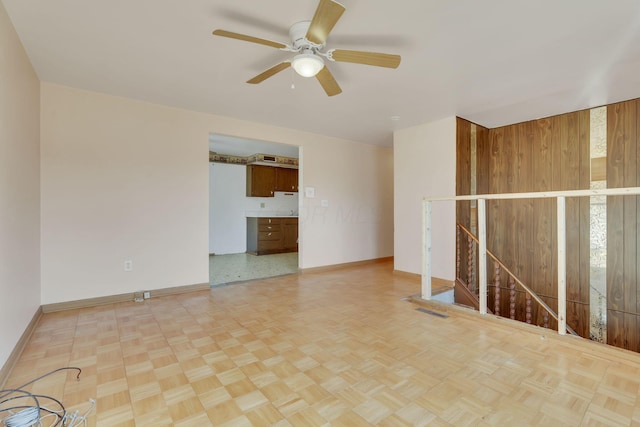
[329, 84]
[246, 38]
[367, 58]
[326, 16]
[270, 72]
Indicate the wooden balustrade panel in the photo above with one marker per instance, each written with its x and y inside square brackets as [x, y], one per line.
[497, 292]
[574, 310]
[577, 315]
[575, 147]
[544, 217]
[545, 319]
[470, 265]
[553, 303]
[463, 187]
[458, 259]
[491, 297]
[512, 299]
[584, 218]
[463, 170]
[524, 214]
[505, 301]
[539, 155]
[622, 330]
[623, 170]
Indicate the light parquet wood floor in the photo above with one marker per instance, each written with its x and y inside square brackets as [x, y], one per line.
[336, 348]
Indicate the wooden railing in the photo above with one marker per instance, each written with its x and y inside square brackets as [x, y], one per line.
[481, 241]
[500, 269]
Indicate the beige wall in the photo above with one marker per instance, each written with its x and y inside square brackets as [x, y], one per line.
[19, 189]
[123, 179]
[425, 166]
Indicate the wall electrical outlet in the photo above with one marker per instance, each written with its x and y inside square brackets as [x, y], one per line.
[146, 294]
[128, 265]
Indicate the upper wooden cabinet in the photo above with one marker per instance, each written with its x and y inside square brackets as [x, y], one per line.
[286, 179]
[263, 181]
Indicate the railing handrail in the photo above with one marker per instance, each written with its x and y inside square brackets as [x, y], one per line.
[627, 191]
[561, 229]
[517, 280]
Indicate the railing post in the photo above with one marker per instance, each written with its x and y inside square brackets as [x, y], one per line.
[426, 250]
[457, 251]
[470, 283]
[482, 255]
[496, 295]
[545, 318]
[512, 298]
[562, 265]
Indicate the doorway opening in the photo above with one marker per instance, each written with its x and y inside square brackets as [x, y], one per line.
[239, 217]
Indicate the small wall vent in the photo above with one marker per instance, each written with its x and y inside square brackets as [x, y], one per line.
[271, 160]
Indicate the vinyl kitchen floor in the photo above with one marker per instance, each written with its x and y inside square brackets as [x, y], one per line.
[240, 267]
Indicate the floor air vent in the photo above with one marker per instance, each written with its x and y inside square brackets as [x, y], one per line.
[433, 313]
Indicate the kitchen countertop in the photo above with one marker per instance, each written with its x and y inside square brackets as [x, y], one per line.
[260, 214]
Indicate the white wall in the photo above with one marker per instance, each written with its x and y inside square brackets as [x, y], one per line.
[357, 182]
[19, 189]
[123, 179]
[228, 205]
[227, 223]
[425, 166]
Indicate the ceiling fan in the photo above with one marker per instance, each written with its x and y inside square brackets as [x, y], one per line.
[308, 40]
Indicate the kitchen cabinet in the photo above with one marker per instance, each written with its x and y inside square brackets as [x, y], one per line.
[272, 235]
[290, 234]
[286, 179]
[263, 181]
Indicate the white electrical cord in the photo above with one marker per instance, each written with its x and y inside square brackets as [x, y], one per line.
[27, 417]
[22, 415]
[72, 420]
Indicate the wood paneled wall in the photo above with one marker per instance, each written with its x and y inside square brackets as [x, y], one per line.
[623, 241]
[463, 170]
[463, 185]
[540, 155]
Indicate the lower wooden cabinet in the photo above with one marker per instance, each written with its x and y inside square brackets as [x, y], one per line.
[272, 235]
[290, 234]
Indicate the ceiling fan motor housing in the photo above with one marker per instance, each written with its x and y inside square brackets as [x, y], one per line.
[298, 33]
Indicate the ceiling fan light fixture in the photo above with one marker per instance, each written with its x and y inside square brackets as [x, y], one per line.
[307, 64]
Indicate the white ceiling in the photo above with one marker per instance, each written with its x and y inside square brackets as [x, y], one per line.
[494, 62]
